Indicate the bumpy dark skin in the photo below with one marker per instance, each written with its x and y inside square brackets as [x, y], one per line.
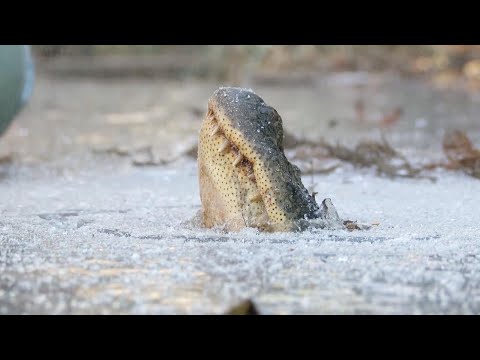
[245, 178]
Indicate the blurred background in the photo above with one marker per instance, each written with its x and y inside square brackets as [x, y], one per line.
[90, 100]
[236, 62]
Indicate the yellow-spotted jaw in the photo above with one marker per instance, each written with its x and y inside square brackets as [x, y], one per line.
[245, 179]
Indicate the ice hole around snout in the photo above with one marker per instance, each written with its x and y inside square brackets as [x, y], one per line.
[372, 196]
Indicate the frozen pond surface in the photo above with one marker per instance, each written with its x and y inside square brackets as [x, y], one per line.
[103, 243]
[87, 233]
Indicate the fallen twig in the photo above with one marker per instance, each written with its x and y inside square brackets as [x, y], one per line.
[381, 155]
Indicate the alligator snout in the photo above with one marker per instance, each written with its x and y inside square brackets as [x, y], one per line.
[244, 176]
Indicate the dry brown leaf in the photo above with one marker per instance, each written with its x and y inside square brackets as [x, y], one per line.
[391, 118]
[472, 69]
[6, 159]
[461, 153]
[246, 307]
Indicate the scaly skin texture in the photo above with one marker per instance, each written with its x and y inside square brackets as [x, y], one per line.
[245, 179]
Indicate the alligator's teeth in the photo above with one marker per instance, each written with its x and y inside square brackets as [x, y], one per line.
[224, 146]
[238, 160]
[251, 176]
[256, 197]
[215, 130]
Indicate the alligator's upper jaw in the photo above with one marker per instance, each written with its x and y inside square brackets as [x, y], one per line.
[245, 178]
